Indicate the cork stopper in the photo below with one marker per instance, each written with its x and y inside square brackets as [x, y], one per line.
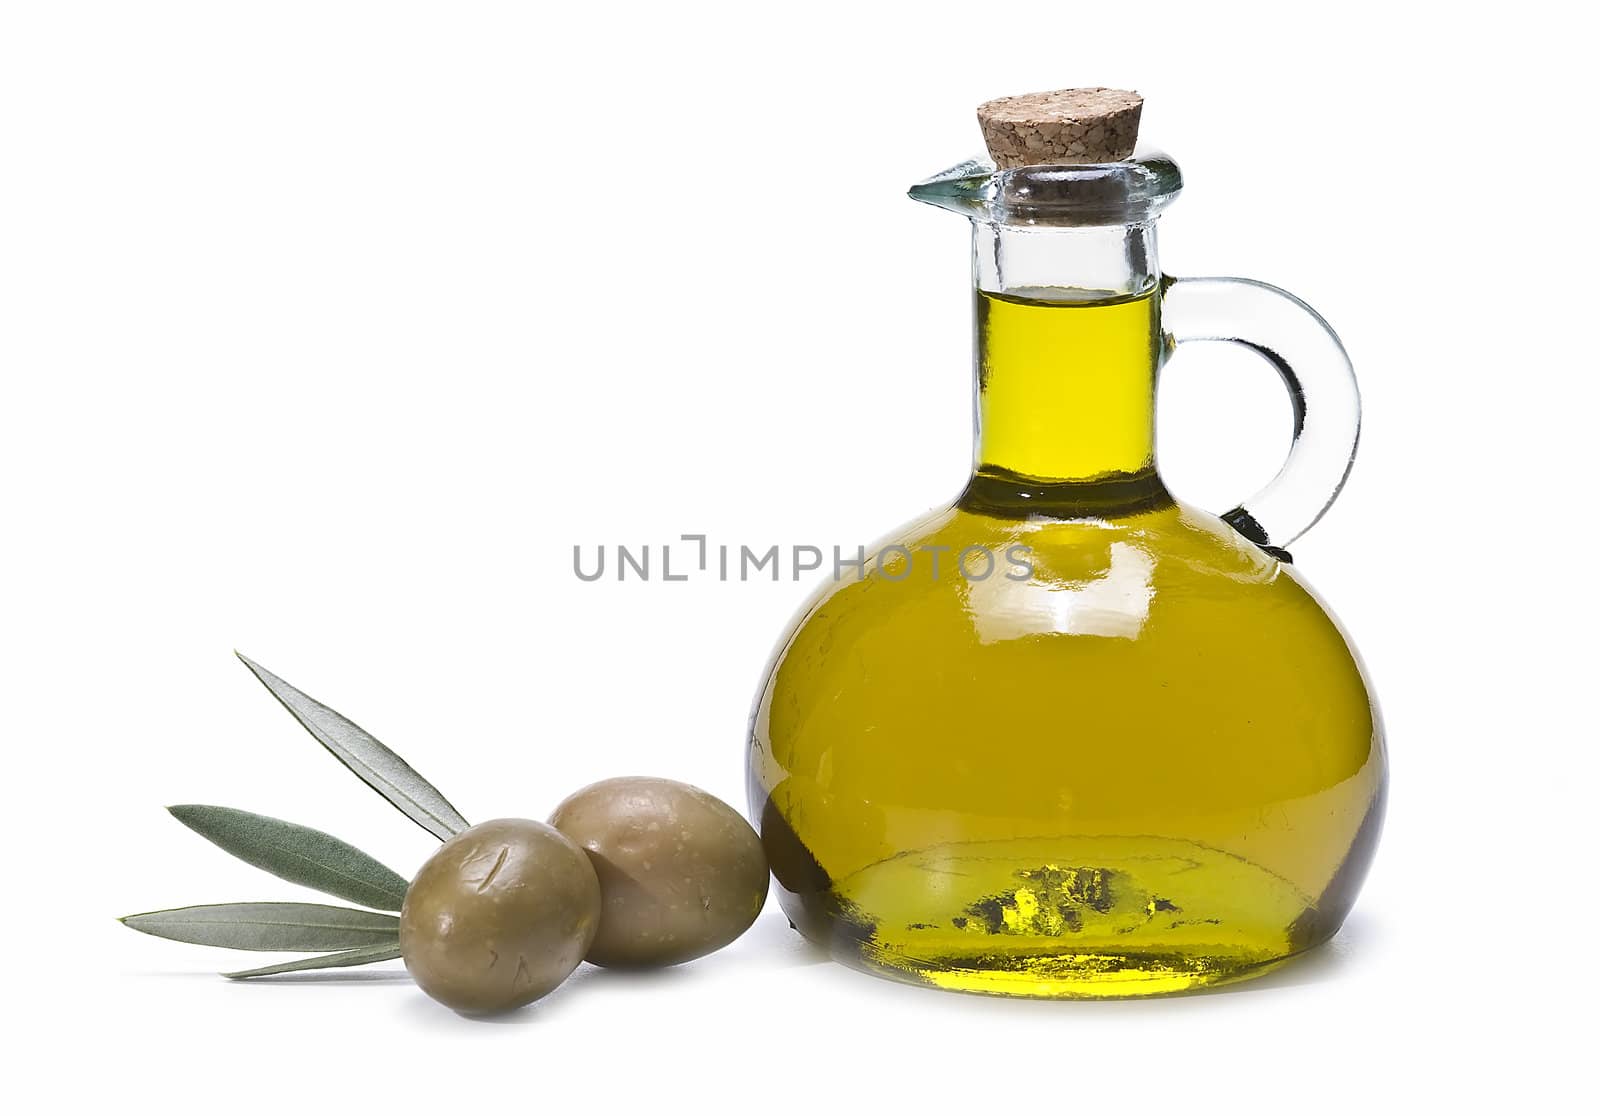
[1061, 126]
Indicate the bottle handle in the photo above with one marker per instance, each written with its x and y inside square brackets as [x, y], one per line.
[1322, 387]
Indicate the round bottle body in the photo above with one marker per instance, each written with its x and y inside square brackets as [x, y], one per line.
[1067, 758]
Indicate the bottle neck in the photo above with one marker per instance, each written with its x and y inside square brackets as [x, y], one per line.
[1068, 342]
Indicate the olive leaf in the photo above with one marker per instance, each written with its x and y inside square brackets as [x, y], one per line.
[343, 960]
[308, 927]
[358, 750]
[298, 854]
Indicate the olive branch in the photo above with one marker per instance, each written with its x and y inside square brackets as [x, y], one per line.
[337, 937]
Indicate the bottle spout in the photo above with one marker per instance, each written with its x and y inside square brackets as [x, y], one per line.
[964, 188]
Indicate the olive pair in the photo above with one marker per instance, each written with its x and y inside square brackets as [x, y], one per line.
[630, 872]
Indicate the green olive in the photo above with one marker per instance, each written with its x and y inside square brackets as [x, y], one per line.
[499, 916]
[681, 872]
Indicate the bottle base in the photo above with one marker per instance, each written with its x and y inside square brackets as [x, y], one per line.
[1063, 918]
[1074, 976]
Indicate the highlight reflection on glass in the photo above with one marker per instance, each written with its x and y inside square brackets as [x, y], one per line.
[1114, 604]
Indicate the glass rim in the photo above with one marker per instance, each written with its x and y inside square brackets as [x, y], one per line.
[1128, 191]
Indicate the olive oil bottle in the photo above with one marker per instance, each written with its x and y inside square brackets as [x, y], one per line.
[1069, 737]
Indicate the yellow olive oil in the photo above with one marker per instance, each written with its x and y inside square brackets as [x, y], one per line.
[1135, 756]
[1067, 385]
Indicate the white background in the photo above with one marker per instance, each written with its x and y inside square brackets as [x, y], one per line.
[328, 329]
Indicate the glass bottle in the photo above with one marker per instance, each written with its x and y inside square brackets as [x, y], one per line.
[1068, 736]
